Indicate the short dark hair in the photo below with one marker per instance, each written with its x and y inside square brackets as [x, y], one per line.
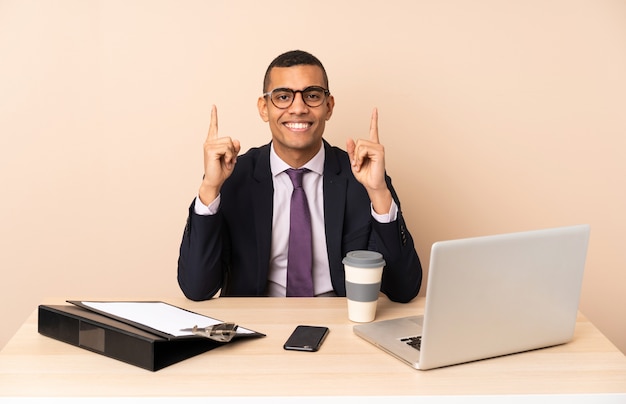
[293, 58]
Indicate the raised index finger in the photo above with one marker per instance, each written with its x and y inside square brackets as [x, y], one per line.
[374, 126]
[213, 124]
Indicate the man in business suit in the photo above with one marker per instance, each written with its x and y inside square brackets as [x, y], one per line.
[237, 234]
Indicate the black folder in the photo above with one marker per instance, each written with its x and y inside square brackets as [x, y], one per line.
[133, 344]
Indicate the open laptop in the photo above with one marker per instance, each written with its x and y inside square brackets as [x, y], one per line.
[491, 296]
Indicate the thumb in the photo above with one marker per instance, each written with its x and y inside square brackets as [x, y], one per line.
[350, 146]
[237, 146]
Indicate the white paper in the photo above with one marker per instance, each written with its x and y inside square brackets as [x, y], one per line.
[159, 316]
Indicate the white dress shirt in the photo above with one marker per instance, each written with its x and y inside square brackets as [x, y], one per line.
[313, 187]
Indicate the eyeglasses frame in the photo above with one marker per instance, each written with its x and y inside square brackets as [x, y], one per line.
[326, 94]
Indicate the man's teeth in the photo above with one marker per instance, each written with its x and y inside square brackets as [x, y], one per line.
[297, 125]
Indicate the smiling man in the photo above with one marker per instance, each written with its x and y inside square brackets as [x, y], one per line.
[241, 238]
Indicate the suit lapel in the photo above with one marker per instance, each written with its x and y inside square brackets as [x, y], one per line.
[263, 191]
[335, 189]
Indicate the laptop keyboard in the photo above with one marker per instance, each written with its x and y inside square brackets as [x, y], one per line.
[415, 342]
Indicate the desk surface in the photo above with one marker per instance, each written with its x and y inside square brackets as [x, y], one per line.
[36, 366]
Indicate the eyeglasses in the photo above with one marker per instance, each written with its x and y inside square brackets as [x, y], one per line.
[313, 96]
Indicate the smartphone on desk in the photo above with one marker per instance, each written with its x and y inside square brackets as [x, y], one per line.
[306, 338]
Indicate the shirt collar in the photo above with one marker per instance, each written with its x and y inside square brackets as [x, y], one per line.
[316, 164]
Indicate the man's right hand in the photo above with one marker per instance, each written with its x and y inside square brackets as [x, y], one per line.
[220, 157]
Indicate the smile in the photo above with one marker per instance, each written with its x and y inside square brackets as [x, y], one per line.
[297, 125]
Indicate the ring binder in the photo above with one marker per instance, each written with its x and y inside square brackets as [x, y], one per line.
[120, 340]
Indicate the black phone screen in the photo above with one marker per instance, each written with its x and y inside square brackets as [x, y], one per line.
[306, 338]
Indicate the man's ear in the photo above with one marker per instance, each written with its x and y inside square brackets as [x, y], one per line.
[330, 103]
[262, 106]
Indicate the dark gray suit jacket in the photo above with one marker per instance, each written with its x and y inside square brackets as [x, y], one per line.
[231, 249]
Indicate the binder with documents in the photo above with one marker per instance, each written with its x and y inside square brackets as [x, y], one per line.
[122, 340]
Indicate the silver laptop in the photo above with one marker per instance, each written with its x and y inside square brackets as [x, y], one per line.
[491, 296]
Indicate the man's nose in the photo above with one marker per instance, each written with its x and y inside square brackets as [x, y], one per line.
[298, 103]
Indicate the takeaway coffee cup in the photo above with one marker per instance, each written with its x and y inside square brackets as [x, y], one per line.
[364, 270]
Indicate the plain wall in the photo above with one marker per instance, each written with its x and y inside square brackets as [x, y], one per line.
[496, 116]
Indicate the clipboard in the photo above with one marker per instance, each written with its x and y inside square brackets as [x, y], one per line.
[160, 318]
[123, 339]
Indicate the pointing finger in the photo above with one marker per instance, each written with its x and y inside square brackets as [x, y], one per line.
[213, 124]
[374, 126]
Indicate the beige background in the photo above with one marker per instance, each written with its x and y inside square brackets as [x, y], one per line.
[497, 116]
